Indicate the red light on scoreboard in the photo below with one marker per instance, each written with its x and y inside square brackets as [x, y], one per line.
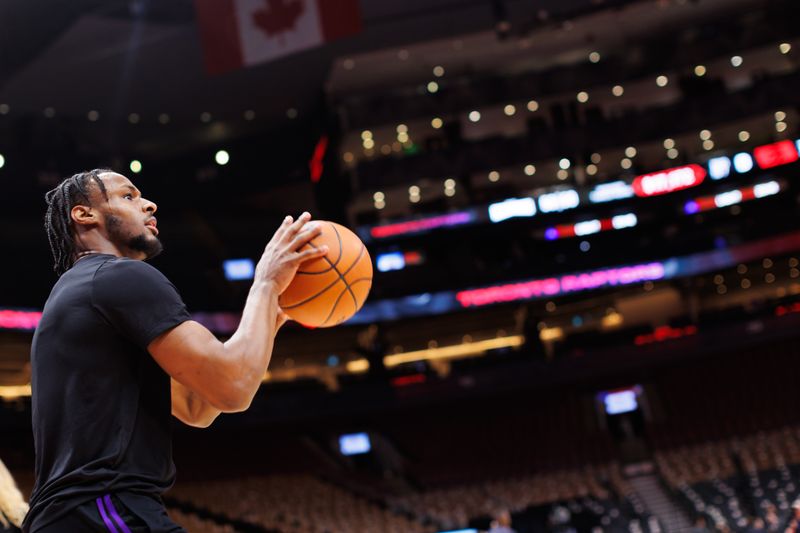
[667, 181]
[664, 333]
[775, 154]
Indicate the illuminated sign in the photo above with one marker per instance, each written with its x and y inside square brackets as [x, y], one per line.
[513, 207]
[424, 224]
[775, 154]
[608, 192]
[728, 198]
[766, 189]
[732, 197]
[589, 227]
[596, 279]
[354, 444]
[238, 269]
[618, 402]
[664, 333]
[719, 167]
[743, 162]
[555, 202]
[390, 261]
[628, 220]
[667, 181]
[13, 319]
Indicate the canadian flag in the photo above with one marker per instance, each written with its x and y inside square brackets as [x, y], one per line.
[237, 33]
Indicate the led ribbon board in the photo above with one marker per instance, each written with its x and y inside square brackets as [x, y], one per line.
[732, 197]
[19, 319]
[775, 154]
[589, 227]
[667, 181]
[420, 225]
[607, 277]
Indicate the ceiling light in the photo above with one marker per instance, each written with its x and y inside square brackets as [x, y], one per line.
[222, 157]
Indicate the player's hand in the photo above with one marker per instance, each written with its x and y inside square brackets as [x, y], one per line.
[282, 319]
[283, 254]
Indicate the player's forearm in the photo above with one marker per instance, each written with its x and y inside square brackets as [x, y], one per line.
[192, 408]
[251, 346]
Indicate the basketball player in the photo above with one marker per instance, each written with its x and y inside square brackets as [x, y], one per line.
[12, 504]
[116, 352]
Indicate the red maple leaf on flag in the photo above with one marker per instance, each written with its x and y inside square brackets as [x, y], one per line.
[279, 16]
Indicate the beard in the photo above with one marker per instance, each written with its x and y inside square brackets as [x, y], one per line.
[145, 242]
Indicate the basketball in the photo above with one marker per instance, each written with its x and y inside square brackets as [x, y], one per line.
[329, 290]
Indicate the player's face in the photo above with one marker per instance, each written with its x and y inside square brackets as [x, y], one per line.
[130, 220]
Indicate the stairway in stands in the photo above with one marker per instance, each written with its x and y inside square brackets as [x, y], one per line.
[646, 483]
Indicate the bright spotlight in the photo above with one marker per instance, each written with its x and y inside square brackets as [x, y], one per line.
[136, 166]
[222, 157]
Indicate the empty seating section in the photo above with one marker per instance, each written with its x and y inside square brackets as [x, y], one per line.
[738, 480]
[536, 503]
[195, 524]
[295, 504]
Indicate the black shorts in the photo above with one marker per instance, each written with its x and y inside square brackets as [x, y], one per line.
[116, 513]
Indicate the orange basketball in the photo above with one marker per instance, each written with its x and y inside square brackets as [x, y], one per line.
[329, 290]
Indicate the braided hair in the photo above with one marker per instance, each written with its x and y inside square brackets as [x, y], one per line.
[73, 191]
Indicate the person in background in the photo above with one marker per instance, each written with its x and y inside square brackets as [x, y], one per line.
[700, 525]
[757, 526]
[502, 523]
[771, 518]
[13, 507]
[793, 523]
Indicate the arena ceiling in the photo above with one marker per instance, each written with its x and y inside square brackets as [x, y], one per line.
[144, 56]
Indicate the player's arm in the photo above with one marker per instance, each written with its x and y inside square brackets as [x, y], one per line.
[191, 408]
[227, 374]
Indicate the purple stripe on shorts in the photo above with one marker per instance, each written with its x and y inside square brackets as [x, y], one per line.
[113, 512]
[103, 514]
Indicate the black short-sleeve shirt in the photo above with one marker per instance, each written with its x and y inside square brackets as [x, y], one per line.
[101, 404]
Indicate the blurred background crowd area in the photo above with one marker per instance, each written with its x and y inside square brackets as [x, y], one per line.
[583, 218]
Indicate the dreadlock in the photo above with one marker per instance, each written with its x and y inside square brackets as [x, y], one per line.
[58, 219]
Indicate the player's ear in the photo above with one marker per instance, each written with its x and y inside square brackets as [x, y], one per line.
[84, 215]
